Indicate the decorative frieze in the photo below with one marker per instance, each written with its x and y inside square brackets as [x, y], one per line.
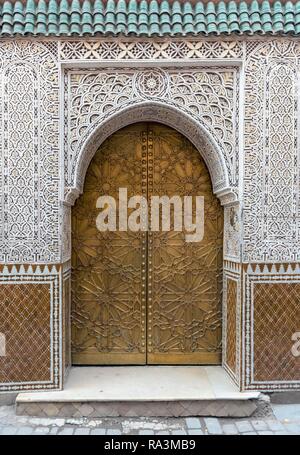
[271, 162]
[29, 150]
[167, 49]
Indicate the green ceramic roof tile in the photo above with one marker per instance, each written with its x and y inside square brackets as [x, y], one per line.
[148, 17]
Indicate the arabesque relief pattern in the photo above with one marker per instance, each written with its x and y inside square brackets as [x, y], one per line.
[30, 319]
[271, 166]
[29, 154]
[269, 233]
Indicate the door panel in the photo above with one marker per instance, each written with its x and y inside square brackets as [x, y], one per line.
[185, 279]
[146, 297]
[108, 321]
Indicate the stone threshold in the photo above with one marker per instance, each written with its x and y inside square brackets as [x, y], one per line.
[146, 391]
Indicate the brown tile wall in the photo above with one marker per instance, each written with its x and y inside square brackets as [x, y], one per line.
[25, 322]
[276, 318]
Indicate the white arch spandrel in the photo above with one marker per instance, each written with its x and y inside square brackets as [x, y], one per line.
[199, 136]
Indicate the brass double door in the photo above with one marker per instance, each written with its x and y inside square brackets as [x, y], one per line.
[146, 297]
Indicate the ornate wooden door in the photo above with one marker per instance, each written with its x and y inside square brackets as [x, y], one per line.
[146, 297]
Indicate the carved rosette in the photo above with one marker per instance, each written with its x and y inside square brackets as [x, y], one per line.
[153, 83]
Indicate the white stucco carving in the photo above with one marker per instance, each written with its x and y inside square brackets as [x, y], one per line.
[201, 104]
[235, 100]
[250, 147]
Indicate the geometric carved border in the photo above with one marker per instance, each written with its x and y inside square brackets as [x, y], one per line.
[272, 315]
[45, 310]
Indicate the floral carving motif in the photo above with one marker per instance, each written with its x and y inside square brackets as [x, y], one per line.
[20, 93]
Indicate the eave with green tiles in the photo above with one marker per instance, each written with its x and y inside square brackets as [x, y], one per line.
[148, 18]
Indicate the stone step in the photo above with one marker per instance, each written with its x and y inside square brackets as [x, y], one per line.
[142, 391]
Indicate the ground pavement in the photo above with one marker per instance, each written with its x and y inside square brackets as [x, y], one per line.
[279, 420]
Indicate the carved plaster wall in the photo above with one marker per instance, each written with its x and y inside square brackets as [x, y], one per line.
[237, 100]
[201, 103]
[29, 154]
[30, 320]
